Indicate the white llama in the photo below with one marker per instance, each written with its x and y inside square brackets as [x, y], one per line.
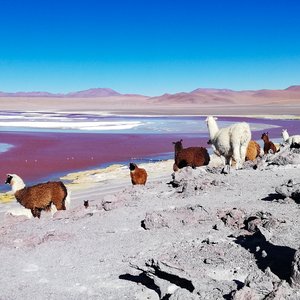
[230, 142]
[294, 139]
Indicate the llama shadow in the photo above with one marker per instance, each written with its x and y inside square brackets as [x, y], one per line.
[150, 283]
[280, 198]
[272, 197]
[142, 279]
[279, 258]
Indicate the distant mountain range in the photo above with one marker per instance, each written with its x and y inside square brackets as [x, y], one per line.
[211, 97]
[90, 93]
[201, 96]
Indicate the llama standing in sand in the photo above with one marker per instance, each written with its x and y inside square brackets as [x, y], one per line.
[137, 175]
[230, 142]
[39, 197]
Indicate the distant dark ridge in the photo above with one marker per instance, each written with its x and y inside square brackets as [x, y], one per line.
[107, 92]
[295, 88]
[90, 93]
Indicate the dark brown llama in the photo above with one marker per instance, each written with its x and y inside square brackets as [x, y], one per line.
[268, 145]
[192, 156]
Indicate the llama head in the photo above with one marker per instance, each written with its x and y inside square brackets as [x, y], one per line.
[285, 134]
[265, 136]
[132, 166]
[212, 126]
[178, 145]
[178, 142]
[210, 118]
[15, 182]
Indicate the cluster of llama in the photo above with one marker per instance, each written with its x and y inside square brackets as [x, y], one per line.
[233, 144]
[53, 195]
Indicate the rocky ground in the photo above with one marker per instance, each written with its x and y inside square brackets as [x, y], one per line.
[198, 234]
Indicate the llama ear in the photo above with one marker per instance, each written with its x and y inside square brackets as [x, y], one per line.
[181, 140]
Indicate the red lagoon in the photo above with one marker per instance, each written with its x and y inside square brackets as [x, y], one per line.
[42, 156]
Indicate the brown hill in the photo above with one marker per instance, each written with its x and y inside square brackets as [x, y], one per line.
[200, 101]
[201, 96]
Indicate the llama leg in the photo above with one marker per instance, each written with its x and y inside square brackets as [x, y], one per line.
[60, 205]
[68, 201]
[237, 156]
[243, 153]
[175, 167]
[226, 169]
[59, 202]
[36, 212]
[53, 209]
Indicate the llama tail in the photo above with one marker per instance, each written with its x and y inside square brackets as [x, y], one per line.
[67, 202]
[53, 209]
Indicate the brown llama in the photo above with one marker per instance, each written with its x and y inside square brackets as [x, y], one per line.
[253, 150]
[192, 156]
[39, 197]
[138, 175]
[268, 145]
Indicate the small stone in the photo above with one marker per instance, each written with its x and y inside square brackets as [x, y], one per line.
[264, 254]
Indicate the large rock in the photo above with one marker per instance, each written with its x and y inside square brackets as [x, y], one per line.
[245, 293]
[176, 218]
[289, 189]
[295, 272]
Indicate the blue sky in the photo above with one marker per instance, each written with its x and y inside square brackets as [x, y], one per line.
[148, 47]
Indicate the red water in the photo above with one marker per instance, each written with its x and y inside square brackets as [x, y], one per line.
[40, 156]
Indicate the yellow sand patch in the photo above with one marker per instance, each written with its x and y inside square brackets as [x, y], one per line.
[6, 197]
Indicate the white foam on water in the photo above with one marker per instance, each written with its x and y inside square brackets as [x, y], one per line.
[95, 122]
[97, 125]
[5, 147]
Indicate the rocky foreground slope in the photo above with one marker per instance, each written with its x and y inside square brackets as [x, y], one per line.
[198, 234]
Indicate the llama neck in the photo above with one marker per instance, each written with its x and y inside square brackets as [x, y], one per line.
[285, 135]
[178, 148]
[17, 185]
[212, 127]
[266, 139]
